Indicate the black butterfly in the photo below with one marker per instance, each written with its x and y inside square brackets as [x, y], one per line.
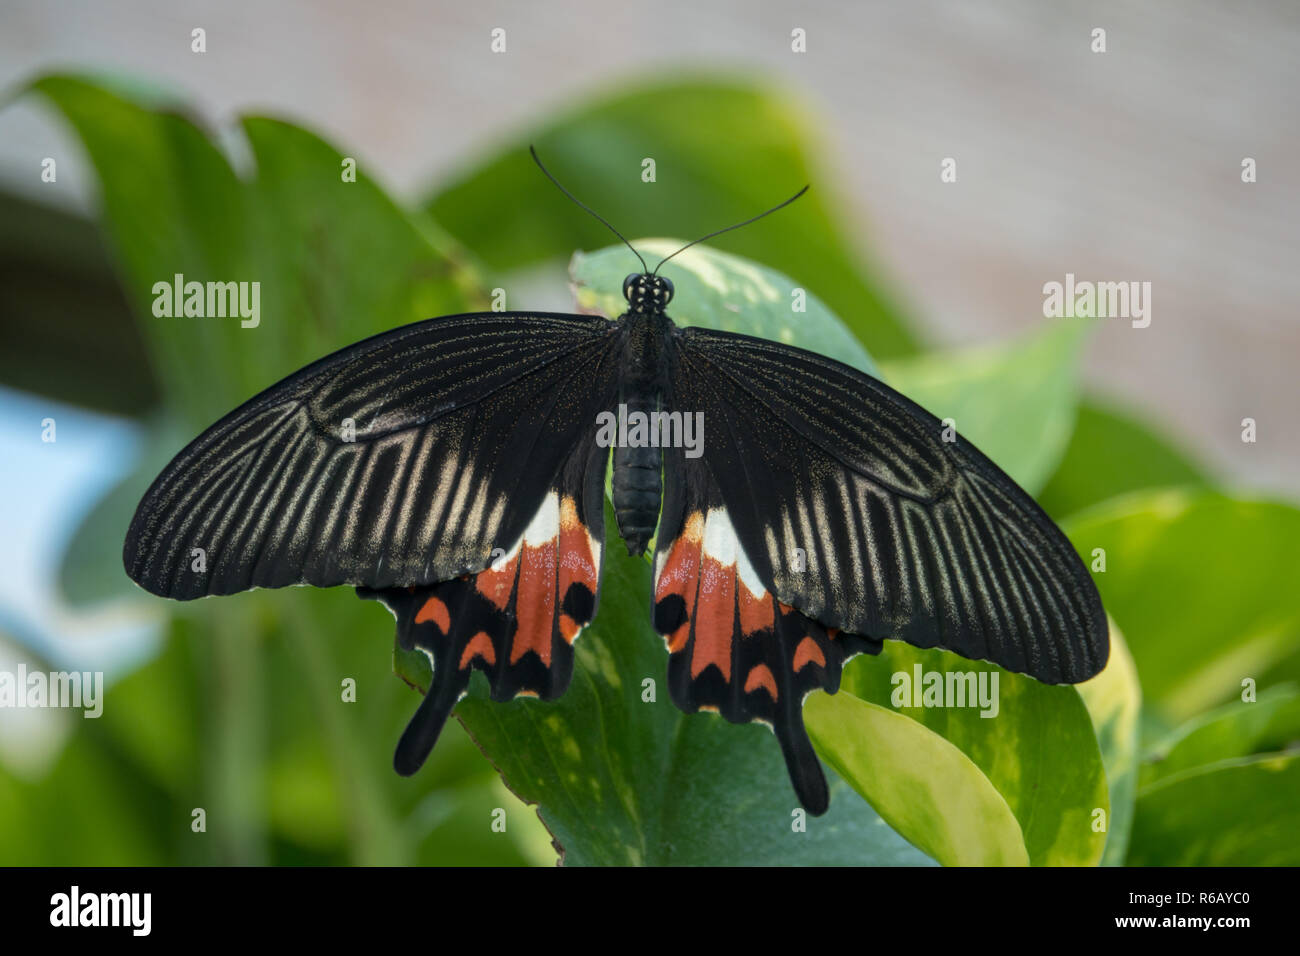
[452, 470]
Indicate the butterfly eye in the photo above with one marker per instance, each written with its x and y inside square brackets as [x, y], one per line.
[667, 287]
[628, 283]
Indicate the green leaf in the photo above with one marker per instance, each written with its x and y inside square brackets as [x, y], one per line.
[921, 785]
[621, 780]
[1242, 812]
[1195, 579]
[1238, 729]
[758, 150]
[1114, 702]
[720, 291]
[335, 261]
[1112, 452]
[1015, 401]
[1033, 742]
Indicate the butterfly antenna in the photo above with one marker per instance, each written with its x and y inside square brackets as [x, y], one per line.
[560, 187]
[736, 226]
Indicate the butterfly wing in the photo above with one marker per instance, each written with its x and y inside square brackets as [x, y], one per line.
[838, 499]
[517, 619]
[902, 534]
[734, 647]
[400, 461]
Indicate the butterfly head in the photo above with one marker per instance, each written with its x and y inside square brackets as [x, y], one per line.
[646, 293]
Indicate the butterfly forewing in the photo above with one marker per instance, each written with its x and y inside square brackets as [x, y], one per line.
[403, 460]
[854, 509]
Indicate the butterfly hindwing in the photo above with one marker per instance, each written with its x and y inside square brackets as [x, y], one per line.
[399, 461]
[733, 647]
[517, 619]
[853, 508]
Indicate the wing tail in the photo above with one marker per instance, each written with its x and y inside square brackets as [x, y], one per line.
[516, 620]
[734, 649]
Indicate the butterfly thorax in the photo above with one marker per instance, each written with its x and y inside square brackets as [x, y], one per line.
[638, 460]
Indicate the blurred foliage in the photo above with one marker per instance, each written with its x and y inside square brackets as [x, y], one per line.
[722, 151]
[242, 712]
[922, 784]
[1110, 453]
[720, 291]
[1038, 752]
[54, 263]
[1114, 702]
[1241, 812]
[1162, 549]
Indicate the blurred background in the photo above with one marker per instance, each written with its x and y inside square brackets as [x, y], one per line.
[1114, 166]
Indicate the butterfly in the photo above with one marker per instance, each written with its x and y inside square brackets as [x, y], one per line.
[454, 470]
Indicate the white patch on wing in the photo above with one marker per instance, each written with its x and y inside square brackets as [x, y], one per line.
[745, 571]
[720, 537]
[721, 544]
[545, 525]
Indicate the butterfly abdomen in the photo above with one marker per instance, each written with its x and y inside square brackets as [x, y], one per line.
[637, 485]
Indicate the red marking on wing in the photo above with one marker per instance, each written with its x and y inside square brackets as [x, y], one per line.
[760, 676]
[681, 573]
[808, 653]
[577, 562]
[495, 582]
[435, 610]
[535, 602]
[480, 645]
[714, 617]
[756, 611]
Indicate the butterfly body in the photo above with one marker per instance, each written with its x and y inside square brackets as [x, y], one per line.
[454, 470]
[636, 484]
